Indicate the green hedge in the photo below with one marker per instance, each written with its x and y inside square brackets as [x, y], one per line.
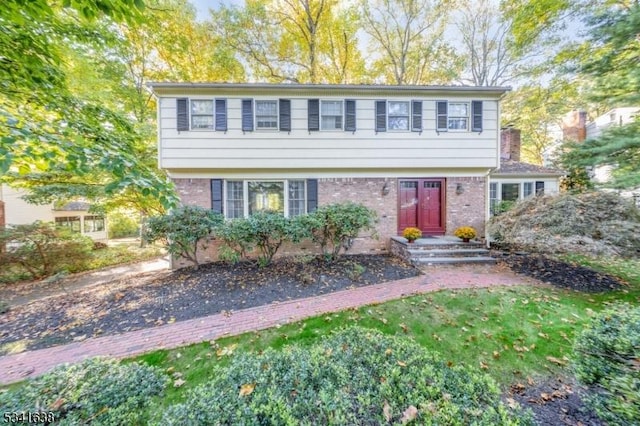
[356, 376]
[97, 391]
[607, 358]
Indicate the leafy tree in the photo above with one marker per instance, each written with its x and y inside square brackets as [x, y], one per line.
[407, 40]
[51, 137]
[184, 230]
[614, 75]
[301, 41]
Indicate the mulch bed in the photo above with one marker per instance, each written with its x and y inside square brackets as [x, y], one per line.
[160, 298]
[562, 274]
[555, 401]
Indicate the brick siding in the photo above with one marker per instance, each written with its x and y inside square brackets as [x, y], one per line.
[467, 208]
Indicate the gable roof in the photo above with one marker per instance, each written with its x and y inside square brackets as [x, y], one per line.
[511, 168]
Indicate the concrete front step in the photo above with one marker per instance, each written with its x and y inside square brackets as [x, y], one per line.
[448, 245]
[466, 252]
[452, 260]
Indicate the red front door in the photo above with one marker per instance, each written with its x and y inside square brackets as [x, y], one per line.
[421, 204]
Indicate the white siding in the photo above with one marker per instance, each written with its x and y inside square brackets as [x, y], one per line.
[19, 212]
[322, 150]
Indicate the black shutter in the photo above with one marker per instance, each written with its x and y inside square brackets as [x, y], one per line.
[313, 106]
[441, 119]
[247, 115]
[381, 116]
[416, 116]
[221, 115]
[216, 196]
[182, 107]
[285, 115]
[476, 108]
[350, 115]
[312, 195]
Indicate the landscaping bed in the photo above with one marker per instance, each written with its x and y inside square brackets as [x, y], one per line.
[142, 302]
[562, 274]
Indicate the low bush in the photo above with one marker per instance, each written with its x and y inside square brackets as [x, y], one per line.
[184, 230]
[607, 358]
[335, 226]
[97, 391]
[356, 376]
[41, 249]
[123, 225]
[269, 230]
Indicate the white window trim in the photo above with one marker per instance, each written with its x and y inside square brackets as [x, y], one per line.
[468, 116]
[245, 194]
[408, 129]
[255, 115]
[213, 115]
[320, 115]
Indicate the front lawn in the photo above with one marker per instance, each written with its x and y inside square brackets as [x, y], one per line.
[518, 335]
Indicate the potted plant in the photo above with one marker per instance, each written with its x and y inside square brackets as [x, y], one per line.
[466, 233]
[411, 234]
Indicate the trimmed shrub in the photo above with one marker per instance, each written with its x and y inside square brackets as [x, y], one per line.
[334, 226]
[356, 376]
[41, 249]
[269, 230]
[607, 358]
[184, 230]
[97, 391]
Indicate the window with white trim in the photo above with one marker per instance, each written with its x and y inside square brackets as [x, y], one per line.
[331, 115]
[235, 199]
[202, 114]
[71, 222]
[493, 197]
[244, 198]
[267, 114]
[458, 116]
[398, 115]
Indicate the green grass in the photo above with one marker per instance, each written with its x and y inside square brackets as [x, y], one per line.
[512, 333]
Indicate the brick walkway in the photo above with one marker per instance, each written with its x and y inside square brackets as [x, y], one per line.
[29, 364]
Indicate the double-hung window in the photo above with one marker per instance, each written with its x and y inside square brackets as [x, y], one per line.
[202, 113]
[458, 116]
[331, 114]
[266, 114]
[398, 115]
[93, 223]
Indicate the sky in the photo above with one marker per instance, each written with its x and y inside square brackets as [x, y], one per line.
[203, 6]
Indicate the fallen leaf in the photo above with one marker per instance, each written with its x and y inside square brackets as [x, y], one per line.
[402, 364]
[247, 389]
[386, 411]
[179, 382]
[556, 360]
[513, 404]
[484, 365]
[404, 328]
[409, 414]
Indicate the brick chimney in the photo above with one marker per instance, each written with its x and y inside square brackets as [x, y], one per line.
[510, 143]
[574, 126]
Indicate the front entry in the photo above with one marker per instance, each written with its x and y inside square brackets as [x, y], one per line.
[421, 205]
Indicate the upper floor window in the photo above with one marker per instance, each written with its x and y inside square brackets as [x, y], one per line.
[267, 114]
[193, 114]
[201, 114]
[398, 115]
[458, 116]
[331, 115]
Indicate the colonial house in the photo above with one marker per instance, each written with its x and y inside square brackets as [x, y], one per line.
[14, 210]
[515, 180]
[419, 155]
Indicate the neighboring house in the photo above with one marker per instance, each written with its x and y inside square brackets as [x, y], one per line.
[515, 180]
[75, 215]
[418, 155]
[575, 127]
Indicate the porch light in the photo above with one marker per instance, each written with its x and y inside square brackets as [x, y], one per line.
[385, 189]
[459, 189]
